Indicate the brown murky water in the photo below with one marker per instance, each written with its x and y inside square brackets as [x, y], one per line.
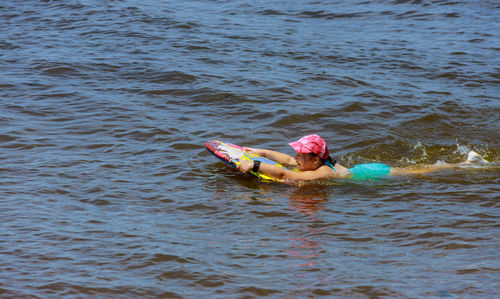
[106, 189]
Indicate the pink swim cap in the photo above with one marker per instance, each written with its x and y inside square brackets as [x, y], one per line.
[311, 144]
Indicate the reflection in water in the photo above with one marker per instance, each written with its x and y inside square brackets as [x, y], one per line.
[306, 260]
[306, 249]
[309, 199]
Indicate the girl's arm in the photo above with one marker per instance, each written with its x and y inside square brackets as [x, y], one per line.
[272, 155]
[285, 174]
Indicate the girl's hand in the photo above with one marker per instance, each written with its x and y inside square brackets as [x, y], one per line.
[245, 166]
[249, 149]
[256, 151]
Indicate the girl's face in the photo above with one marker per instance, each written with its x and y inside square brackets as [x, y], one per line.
[306, 161]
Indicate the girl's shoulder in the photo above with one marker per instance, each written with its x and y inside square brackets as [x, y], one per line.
[337, 170]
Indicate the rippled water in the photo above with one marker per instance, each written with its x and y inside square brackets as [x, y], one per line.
[106, 189]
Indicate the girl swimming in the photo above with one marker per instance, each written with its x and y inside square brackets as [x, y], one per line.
[313, 161]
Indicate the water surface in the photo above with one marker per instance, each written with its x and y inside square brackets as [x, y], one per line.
[106, 189]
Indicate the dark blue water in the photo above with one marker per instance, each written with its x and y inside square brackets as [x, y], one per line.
[106, 189]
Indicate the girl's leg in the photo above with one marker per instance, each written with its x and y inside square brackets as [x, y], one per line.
[473, 157]
[423, 169]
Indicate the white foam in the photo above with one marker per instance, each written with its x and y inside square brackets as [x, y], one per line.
[475, 157]
[462, 149]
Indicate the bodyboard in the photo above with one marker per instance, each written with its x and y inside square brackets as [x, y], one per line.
[234, 154]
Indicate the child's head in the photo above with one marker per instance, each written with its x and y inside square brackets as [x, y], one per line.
[311, 152]
[311, 144]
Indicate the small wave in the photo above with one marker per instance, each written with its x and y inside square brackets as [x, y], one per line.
[330, 16]
[60, 71]
[270, 12]
[152, 76]
[403, 153]
[7, 138]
